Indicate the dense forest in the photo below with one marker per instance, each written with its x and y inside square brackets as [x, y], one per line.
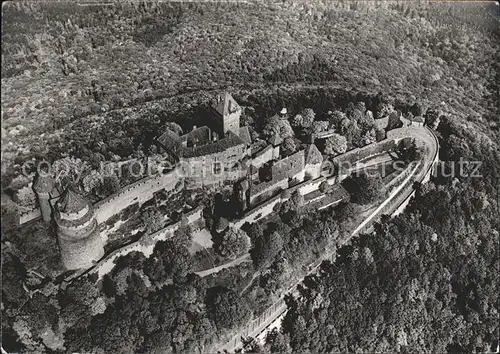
[425, 281]
[97, 83]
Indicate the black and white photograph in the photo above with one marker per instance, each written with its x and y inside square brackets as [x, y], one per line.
[250, 176]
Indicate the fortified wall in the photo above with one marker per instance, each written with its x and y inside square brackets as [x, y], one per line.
[138, 192]
[354, 155]
[147, 243]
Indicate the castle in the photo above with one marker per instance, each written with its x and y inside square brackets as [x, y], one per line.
[205, 156]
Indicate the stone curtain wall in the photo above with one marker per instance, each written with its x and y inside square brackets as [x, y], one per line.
[146, 243]
[138, 192]
[29, 215]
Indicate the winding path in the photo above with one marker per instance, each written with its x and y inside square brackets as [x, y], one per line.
[426, 139]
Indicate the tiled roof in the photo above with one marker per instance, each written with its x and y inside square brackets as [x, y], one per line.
[275, 140]
[226, 104]
[289, 166]
[313, 156]
[263, 151]
[169, 139]
[198, 136]
[245, 135]
[43, 183]
[71, 202]
[229, 141]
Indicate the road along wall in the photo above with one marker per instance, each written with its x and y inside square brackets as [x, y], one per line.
[426, 138]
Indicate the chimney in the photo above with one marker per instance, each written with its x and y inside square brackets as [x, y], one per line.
[194, 127]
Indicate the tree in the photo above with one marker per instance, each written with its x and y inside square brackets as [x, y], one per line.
[335, 145]
[267, 247]
[276, 125]
[304, 119]
[278, 342]
[394, 121]
[110, 184]
[350, 129]
[365, 189]
[324, 187]
[335, 118]
[289, 146]
[153, 220]
[169, 259]
[320, 126]
[176, 128]
[383, 110]
[369, 137]
[380, 134]
[232, 243]
[225, 308]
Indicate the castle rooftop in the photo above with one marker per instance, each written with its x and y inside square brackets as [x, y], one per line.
[229, 141]
[313, 156]
[71, 202]
[226, 105]
[275, 140]
[43, 183]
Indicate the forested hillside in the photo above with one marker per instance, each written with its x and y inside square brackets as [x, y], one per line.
[98, 82]
[425, 281]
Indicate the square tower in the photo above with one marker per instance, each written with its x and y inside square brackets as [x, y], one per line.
[228, 113]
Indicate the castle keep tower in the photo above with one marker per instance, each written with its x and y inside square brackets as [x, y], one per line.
[45, 189]
[77, 231]
[228, 113]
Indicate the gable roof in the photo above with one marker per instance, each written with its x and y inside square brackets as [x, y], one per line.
[229, 141]
[313, 156]
[71, 202]
[245, 135]
[197, 136]
[275, 140]
[289, 166]
[169, 139]
[226, 104]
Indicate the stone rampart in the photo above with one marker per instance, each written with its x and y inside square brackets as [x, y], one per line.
[258, 212]
[146, 243]
[138, 192]
[27, 216]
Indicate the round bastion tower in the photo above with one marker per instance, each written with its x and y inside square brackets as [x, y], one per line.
[77, 231]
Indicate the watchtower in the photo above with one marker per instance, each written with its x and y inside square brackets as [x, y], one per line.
[77, 231]
[228, 113]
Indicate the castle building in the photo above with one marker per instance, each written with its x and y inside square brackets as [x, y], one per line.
[208, 156]
[314, 162]
[227, 113]
[77, 231]
[47, 193]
